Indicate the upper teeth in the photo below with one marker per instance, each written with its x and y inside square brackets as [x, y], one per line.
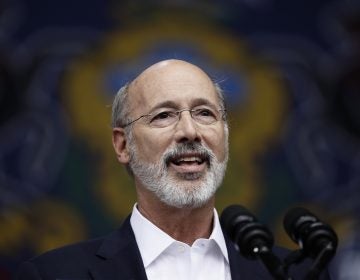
[188, 159]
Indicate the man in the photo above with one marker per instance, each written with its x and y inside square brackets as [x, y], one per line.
[170, 131]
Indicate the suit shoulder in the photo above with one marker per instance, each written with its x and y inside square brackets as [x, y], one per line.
[71, 251]
[73, 259]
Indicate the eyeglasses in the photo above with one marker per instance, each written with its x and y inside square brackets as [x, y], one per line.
[205, 116]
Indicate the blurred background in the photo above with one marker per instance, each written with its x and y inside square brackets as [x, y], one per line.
[291, 74]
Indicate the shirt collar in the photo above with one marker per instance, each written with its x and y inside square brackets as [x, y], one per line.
[218, 236]
[152, 241]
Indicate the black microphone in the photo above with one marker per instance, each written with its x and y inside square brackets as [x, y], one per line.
[316, 240]
[253, 239]
[309, 232]
[245, 231]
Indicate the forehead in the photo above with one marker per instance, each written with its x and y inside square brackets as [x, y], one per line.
[180, 85]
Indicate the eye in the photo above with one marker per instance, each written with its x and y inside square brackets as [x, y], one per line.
[163, 119]
[162, 115]
[204, 112]
[204, 116]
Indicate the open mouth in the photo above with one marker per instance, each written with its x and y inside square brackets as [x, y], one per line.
[189, 162]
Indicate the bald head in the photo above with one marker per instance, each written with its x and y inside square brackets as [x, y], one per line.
[169, 77]
[169, 71]
[164, 66]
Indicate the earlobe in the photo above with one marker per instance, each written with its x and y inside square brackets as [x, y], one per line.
[120, 145]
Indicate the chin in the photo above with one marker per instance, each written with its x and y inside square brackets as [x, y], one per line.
[193, 176]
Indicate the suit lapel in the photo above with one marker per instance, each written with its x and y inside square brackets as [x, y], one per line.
[119, 257]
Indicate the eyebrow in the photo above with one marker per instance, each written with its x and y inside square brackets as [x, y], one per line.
[194, 103]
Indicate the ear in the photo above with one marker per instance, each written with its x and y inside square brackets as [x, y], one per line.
[120, 145]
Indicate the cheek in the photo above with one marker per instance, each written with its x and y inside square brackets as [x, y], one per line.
[216, 141]
[151, 147]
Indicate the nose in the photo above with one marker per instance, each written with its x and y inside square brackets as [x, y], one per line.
[186, 129]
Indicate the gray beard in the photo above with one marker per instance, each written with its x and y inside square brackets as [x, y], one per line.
[173, 191]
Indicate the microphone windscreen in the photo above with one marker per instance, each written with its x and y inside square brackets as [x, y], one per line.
[245, 231]
[312, 235]
[230, 215]
[292, 218]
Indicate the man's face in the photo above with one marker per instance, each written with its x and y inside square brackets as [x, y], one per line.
[184, 163]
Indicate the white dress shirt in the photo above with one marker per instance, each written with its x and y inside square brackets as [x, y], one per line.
[165, 258]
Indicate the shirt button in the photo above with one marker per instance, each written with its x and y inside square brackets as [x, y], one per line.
[181, 249]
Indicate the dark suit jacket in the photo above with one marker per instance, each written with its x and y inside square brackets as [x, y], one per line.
[117, 257]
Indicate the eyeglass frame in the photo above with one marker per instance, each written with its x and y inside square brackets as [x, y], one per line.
[178, 114]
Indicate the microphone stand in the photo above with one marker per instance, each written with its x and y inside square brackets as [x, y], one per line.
[320, 262]
[271, 262]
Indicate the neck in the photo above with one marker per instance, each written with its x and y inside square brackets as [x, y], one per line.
[182, 224]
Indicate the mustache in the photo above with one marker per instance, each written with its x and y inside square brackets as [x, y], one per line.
[193, 148]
